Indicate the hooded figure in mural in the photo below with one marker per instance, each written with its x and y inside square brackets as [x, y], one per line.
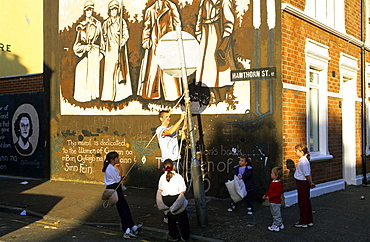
[160, 18]
[87, 47]
[117, 81]
[215, 25]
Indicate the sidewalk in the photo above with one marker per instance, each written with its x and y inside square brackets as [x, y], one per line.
[339, 216]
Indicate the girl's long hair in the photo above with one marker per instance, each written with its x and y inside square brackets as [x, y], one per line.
[110, 156]
[168, 167]
[303, 147]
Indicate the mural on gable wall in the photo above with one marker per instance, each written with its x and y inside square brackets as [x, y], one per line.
[109, 61]
[110, 69]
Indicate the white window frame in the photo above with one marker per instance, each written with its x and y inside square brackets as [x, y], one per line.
[317, 60]
[329, 12]
[314, 114]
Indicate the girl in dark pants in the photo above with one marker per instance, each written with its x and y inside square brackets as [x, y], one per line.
[181, 219]
[171, 198]
[304, 183]
[112, 178]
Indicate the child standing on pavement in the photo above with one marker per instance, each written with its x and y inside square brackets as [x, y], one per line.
[274, 196]
[244, 171]
[112, 179]
[304, 183]
[171, 199]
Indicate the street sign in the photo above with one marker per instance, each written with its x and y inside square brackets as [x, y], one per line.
[254, 74]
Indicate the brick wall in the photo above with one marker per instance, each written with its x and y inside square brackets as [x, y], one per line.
[353, 17]
[294, 34]
[21, 84]
[300, 4]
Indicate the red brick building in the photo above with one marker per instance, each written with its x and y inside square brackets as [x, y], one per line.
[325, 75]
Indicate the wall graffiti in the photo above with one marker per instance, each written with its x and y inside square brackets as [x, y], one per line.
[226, 160]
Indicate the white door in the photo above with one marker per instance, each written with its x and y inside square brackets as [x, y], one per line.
[349, 130]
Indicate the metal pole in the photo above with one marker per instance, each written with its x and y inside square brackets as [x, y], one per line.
[196, 174]
[363, 96]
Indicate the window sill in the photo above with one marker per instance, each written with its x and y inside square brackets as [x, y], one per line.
[321, 157]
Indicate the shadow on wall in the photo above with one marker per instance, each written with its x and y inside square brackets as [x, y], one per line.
[290, 166]
[11, 65]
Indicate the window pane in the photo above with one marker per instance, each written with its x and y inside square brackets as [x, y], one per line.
[314, 120]
[314, 77]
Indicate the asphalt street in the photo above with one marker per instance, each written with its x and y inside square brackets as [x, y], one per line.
[70, 211]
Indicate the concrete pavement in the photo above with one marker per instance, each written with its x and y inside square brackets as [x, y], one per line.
[339, 216]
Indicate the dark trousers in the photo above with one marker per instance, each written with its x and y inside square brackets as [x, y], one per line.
[123, 208]
[247, 199]
[304, 202]
[180, 219]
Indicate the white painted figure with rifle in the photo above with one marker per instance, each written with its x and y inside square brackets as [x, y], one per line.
[117, 80]
[87, 47]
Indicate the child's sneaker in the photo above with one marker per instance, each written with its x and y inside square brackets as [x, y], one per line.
[299, 225]
[273, 228]
[249, 211]
[231, 208]
[130, 235]
[281, 226]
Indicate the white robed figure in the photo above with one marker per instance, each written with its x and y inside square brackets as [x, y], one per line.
[215, 25]
[87, 46]
[117, 81]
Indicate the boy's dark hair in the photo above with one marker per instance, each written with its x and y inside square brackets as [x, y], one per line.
[160, 114]
[278, 170]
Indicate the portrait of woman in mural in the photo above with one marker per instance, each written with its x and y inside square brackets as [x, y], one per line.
[213, 30]
[117, 81]
[23, 129]
[160, 18]
[87, 46]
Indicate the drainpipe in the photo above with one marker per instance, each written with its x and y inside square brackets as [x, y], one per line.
[363, 95]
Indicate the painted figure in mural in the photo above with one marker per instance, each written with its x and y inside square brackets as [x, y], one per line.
[117, 81]
[213, 30]
[87, 47]
[160, 18]
[23, 130]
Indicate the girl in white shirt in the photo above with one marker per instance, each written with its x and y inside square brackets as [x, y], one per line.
[304, 183]
[112, 178]
[171, 188]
